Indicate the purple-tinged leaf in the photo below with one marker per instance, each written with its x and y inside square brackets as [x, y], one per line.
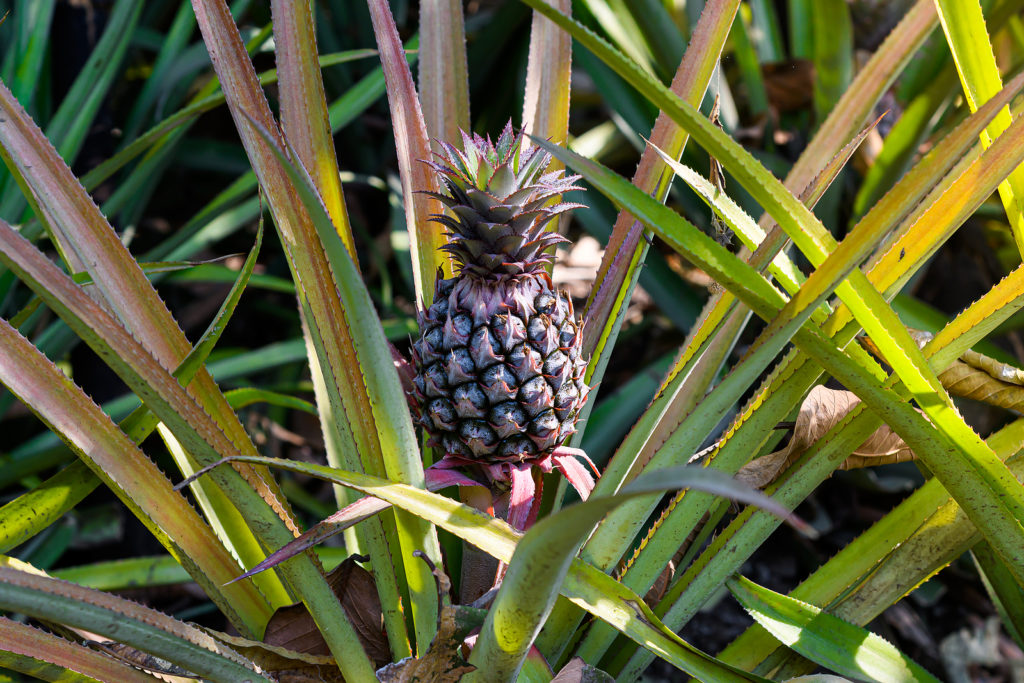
[548, 76]
[304, 108]
[350, 515]
[444, 80]
[426, 237]
[35, 646]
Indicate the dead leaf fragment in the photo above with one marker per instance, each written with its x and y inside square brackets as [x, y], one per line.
[287, 666]
[293, 628]
[578, 671]
[821, 410]
[443, 662]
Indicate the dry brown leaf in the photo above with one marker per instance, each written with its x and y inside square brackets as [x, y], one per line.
[968, 381]
[821, 410]
[1001, 371]
[578, 671]
[286, 665]
[661, 584]
[159, 668]
[443, 662]
[789, 84]
[976, 376]
[293, 628]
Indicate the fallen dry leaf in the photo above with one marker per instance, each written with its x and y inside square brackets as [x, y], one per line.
[293, 628]
[789, 84]
[975, 376]
[287, 666]
[821, 410]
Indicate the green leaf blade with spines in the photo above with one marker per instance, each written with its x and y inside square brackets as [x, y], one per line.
[43, 655]
[831, 642]
[145, 629]
[967, 35]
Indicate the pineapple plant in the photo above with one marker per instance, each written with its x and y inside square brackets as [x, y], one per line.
[498, 366]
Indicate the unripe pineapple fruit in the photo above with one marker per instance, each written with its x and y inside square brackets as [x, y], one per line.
[499, 371]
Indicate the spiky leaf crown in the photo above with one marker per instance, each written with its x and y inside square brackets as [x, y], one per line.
[497, 193]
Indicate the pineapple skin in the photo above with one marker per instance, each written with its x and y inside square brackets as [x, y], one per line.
[503, 381]
[499, 373]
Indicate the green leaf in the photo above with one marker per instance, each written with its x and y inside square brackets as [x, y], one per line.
[400, 453]
[45, 656]
[1002, 588]
[31, 512]
[304, 108]
[323, 317]
[967, 35]
[75, 116]
[833, 53]
[443, 73]
[546, 98]
[543, 557]
[822, 638]
[588, 587]
[131, 476]
[969, 458]
[124, 621]
[426, 237]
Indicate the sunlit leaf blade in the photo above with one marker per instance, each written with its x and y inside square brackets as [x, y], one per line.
[690, 83]
[30, 513]
[321, 315]
[943, 457]
[115, 575]
[87, 242]
[128, 622]
[304, 108]
[872, 312]
[859, 100]
[543, 557]
[33, 511]
[595, 591]
[131, 476]
[821, 637]
[939, 536]
[443, 73]
[855, 105]
[686, 386]
[35, 647]
[426, 236]
[400, 453]
[904, 140]
[659, 431]
[979, 320]
[967, 35]
[546, 100]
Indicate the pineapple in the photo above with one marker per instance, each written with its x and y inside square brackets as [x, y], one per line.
[498, 368]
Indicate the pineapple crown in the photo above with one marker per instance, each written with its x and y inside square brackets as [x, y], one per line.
[498, 193]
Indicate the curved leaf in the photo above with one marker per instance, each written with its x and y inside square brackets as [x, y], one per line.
[26, 647]
[122, 620]
[825, 639]
[588, 587]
